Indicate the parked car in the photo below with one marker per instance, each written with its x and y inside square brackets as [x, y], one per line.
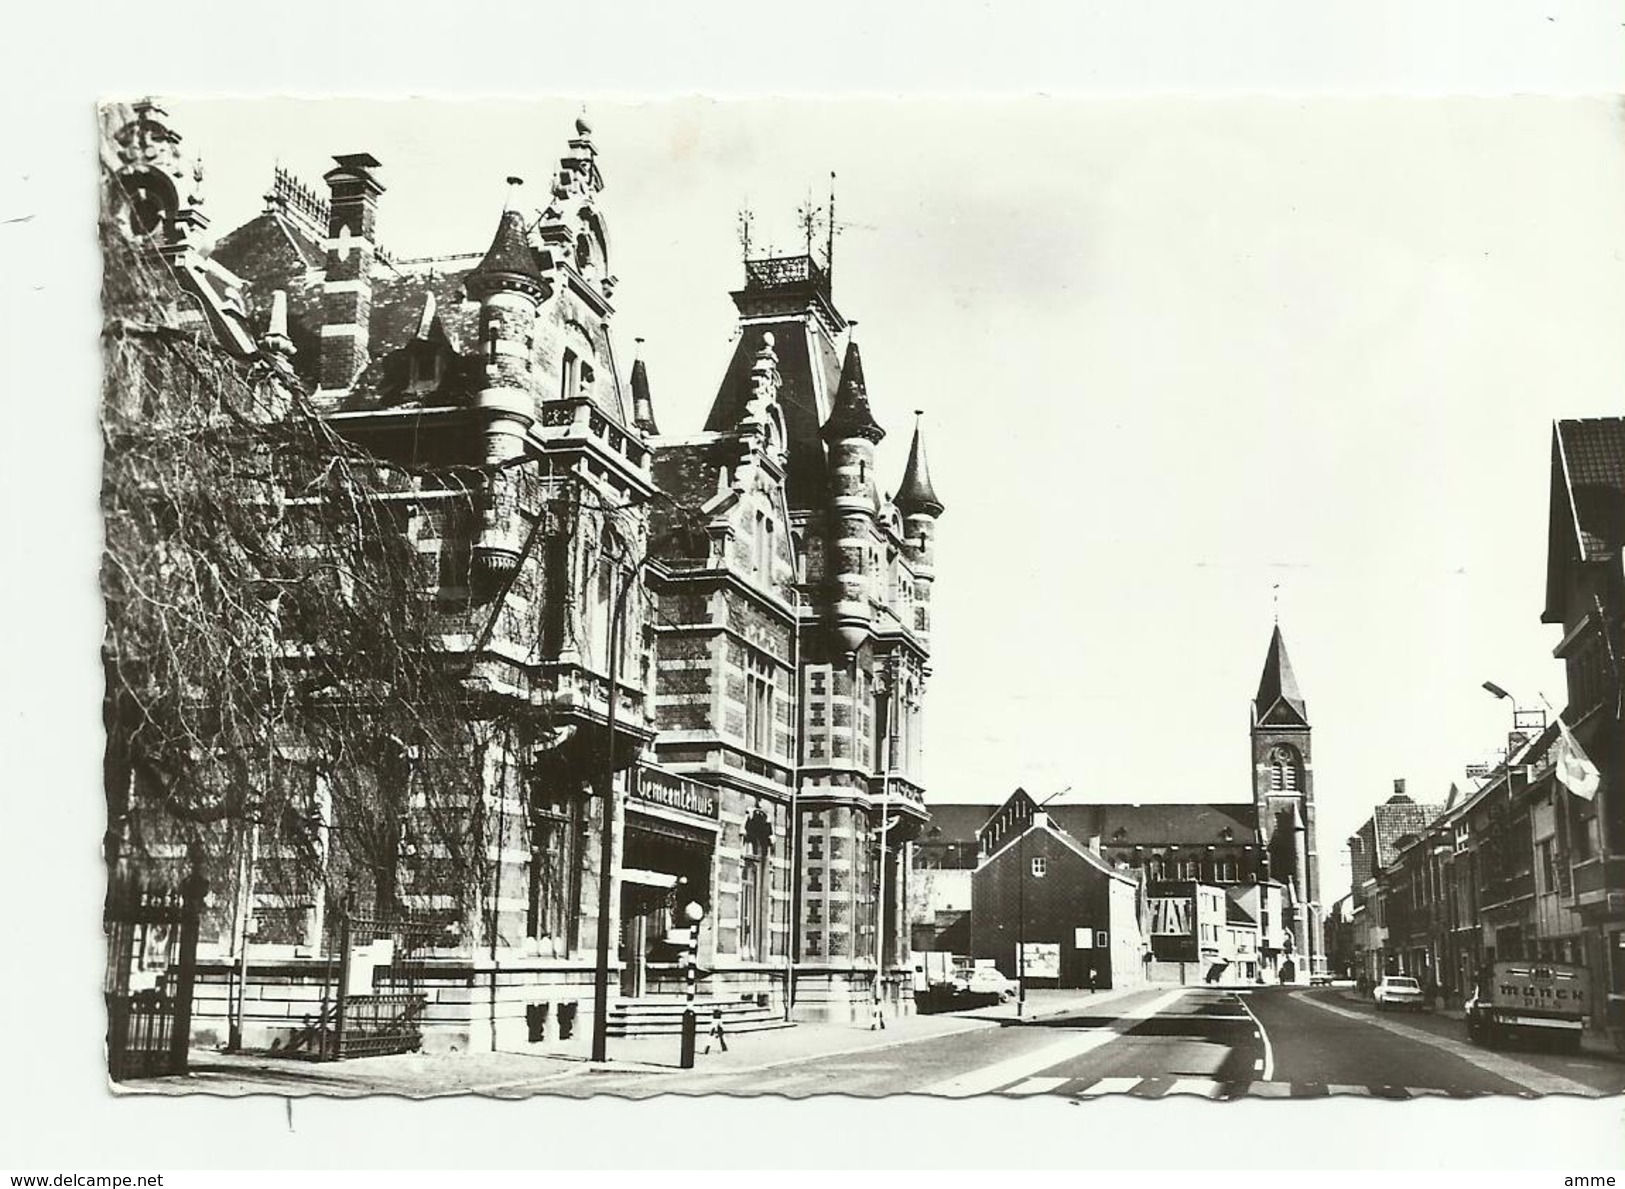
[984, 981]
[1398, 991]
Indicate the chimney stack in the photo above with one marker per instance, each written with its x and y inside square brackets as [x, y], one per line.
[352, 247]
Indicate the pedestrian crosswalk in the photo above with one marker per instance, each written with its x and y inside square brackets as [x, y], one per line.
[1170, 1087]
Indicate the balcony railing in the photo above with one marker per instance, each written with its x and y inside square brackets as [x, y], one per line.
[783, 271]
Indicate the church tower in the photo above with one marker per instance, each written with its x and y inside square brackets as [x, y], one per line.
[1284, 799]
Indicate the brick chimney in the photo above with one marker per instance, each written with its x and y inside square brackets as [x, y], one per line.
[353, 192]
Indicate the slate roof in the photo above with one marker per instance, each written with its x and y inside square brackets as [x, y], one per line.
[510, 255]
[1587, 500]
[1279, 701]
[1395, 818]
[916, 494]
[1159, 825]
[801, 352]
[852, 417]
[955, 823]
[1187, 824]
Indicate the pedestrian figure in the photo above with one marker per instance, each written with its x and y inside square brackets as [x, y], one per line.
[716, 1032]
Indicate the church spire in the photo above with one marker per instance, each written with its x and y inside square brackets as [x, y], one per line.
[1278, 694]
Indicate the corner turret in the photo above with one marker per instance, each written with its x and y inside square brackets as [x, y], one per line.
[917, 501]
[852, 435]
[509, 285]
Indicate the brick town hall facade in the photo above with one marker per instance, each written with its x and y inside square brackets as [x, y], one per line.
[725, 633]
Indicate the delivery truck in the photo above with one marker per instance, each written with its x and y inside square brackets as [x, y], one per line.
[1538, 1001]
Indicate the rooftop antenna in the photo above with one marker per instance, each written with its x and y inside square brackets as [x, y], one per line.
[829, 251]
[808, 217]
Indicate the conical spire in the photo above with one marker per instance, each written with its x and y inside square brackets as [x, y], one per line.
[1278, 684]
[852, 417]
[643, 409]
[916, 493]
[509, 262]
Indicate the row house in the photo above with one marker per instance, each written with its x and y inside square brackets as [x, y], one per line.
[1531, 863]
[708, 651]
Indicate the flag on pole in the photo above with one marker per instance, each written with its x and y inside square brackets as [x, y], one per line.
[1575, 771]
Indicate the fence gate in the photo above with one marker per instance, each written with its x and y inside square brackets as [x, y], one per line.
[152, 933]
[373, 997]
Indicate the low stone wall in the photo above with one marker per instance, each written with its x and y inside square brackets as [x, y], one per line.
[470, 1007]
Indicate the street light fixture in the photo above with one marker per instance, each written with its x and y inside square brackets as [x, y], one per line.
[1021, 906]
[1524, 720]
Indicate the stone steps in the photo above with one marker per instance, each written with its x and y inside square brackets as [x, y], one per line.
[664, 1016]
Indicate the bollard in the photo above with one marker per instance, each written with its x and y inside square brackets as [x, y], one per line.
[716, 1032]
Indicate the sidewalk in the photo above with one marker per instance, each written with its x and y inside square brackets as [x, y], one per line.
[513, 1074]
[1592, 1043]
[517, 1074]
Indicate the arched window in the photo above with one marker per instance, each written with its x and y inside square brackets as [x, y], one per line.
[1285, 770]
[753, 882]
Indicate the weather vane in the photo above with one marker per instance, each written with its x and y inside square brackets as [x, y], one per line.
[745, 220]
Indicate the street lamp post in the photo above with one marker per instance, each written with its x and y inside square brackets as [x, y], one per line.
[606, 848]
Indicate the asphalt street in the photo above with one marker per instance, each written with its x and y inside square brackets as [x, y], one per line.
[1216, 1043]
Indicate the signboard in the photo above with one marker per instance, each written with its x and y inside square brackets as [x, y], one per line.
[1171, 915]
[688, 795]
[1042, 959]
[1083, 939]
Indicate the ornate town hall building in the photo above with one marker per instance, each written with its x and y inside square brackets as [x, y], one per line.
[713, 645]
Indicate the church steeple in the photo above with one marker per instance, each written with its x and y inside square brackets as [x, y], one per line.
[1284, 798]
[1279, 702]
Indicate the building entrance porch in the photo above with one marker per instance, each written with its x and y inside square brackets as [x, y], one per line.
[666, 867]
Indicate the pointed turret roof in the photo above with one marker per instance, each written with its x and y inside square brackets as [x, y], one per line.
[1279, 701]
[916, 493]
[851, 416]
[643, 409]
[510, 257]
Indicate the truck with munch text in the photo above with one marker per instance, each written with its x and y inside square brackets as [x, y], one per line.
[1530, 1000]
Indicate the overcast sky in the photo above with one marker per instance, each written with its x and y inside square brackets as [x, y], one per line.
[1174, 354]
